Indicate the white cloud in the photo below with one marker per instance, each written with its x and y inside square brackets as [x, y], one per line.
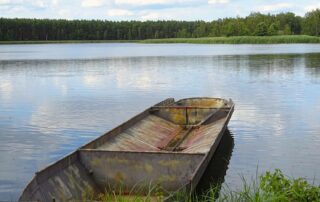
[274, 7]
[148, 9]
[64, 13]
[38, 4]
[119, 12]
[218, 1]
[5, 2]
[16, 9]
[152, 2]
[141, 2]
[92, 3]
[55, 2]
[151, 16]
[312, 7]
[26, 3]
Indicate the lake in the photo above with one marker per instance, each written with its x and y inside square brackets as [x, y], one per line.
[56, 97]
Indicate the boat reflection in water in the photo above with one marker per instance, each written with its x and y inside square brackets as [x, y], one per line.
[218, 166]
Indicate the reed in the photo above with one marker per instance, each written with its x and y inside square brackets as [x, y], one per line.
[283, 39]
[269, 187]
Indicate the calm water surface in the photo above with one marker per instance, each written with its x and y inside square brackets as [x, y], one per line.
[54, 98]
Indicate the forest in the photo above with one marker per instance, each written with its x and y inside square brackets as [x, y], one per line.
[255, 24]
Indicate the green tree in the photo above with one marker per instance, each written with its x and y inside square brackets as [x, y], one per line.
[291, 20]
[182, 33]
[311, 23]
[200, 31]
[254, 24]
[287, 30]
[261, 29]
[273, 29]
[230, 29]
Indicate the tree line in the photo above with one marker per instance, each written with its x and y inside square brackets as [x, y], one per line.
[256, 24]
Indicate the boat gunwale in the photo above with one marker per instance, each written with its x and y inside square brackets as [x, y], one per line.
[143, 152]
[72, 157]
[63, 162]
[197, 174]
[130, 122]
[125, 125]
[201, 98]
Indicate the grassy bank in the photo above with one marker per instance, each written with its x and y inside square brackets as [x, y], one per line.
[269, 187]
[285, 39]
[67, 41]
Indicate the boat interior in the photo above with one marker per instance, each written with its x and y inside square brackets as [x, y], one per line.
[180, 126]
[167, 145]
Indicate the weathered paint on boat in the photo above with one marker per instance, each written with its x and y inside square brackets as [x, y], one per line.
[168, 145]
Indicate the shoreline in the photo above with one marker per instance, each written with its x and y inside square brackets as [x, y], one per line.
[281, 39]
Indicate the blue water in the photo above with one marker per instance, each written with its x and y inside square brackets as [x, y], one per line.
[54, 98]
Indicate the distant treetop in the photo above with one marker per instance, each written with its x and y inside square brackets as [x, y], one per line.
[256, 24]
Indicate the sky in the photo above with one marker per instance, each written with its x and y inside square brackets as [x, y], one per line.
[207, 10]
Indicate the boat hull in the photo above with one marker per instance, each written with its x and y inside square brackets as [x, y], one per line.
[168, 145]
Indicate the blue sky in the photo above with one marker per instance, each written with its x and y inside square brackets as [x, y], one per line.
[149, 9]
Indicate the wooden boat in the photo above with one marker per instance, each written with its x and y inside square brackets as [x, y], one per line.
[168, 145]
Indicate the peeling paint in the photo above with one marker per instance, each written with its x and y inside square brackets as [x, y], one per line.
[139, 151]
[172, 163]
[119, 176]
[167, 178]
[148, 168]
[118, 161]
[96, 161]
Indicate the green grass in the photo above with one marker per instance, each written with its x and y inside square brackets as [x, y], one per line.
[283, 39]
[269, 187]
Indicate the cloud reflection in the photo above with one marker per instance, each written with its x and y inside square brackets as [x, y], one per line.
[6, 89]
[51, 107]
